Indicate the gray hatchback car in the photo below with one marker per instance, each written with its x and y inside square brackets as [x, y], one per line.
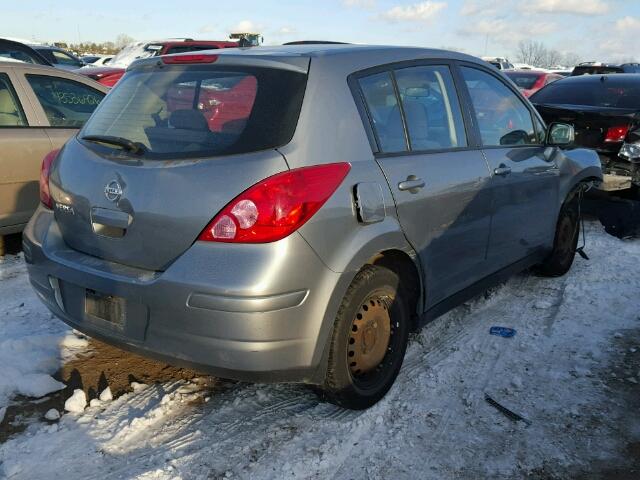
[290, 214]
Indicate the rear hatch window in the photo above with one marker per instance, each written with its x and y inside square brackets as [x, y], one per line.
[597, 93]
[195, 111]
[524, 81]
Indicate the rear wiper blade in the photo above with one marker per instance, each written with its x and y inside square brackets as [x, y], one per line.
[126, 144]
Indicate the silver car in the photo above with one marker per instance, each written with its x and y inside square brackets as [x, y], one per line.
[290, 214]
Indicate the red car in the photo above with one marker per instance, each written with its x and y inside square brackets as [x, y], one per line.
[109, 76]
[530, 81]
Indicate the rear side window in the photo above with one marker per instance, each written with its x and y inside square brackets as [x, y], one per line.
[382, 103]
[503, 119]
[11, 114]
[187, 111]
[66, 103]
[431, 108]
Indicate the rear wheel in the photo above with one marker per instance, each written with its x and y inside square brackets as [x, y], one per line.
[566, 240]
[369, 339]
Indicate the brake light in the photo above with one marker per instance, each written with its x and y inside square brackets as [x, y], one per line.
[45, 171]
[616, 134]
[276, 206]
[192, 58]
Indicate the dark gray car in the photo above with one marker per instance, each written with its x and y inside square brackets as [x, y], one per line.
[291, 213]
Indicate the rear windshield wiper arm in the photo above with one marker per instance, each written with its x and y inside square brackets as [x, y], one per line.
[126, 144]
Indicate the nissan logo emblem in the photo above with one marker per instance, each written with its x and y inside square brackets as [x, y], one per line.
[113, 191]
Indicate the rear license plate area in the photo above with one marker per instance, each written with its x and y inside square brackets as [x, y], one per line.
[108, 308]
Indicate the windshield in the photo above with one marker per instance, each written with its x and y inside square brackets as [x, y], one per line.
[187, 111]
[524, 81]
[132, 52]
[608, 94]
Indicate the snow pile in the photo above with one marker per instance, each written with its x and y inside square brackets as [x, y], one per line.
[32, 342]
[105, 395]
[52, 415]
[435, 422]
[77, 402]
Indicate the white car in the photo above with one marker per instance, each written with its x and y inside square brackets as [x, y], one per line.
[500, 63]
[96, 60]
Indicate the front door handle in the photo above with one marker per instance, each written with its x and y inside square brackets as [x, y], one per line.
[412, 184]
[502, 170]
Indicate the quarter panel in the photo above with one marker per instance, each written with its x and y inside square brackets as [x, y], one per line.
[21, 154]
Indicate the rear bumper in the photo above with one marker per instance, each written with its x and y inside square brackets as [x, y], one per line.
[248, 312]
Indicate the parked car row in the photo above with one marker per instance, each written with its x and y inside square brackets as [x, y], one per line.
[110, 74]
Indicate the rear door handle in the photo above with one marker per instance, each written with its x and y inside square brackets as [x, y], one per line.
[412, 184]
[502, 170]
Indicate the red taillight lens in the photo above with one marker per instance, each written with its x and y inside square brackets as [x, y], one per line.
[110, 80]
[616, 134]
[45, 171]
[277, 206]
[193, 58]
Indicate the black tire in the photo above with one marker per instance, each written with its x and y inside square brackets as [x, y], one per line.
[2, 246]
[379, 291]
[565, 242]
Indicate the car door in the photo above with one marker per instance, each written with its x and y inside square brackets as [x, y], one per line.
[524, 176]
[23, 144]
[436, 175]
[63, 103]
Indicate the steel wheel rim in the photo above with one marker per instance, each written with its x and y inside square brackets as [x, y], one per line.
[370, 338]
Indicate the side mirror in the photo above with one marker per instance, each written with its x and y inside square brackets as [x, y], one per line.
[560, 134]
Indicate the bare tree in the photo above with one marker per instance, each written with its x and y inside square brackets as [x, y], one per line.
[552, 57]
[531, 52]
[123, 40]
[571, 59]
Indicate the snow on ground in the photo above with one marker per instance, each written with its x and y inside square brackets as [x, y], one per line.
[434, 423]
[32, 341]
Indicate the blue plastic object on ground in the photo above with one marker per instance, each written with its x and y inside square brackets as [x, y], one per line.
[502, 332]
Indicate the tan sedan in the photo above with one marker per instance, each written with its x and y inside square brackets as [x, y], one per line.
[40, 108]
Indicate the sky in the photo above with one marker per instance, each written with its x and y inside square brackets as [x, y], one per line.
[598, 30]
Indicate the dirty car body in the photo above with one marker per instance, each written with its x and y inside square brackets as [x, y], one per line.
[130, 230]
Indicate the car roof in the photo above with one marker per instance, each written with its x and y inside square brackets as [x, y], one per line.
[318, 50]
[350, 57]
[527, 72]
[618, 78]
[51, 71]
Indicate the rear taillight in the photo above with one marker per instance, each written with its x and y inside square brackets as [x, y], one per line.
[277, 206]
[616, 134]
[45, 171]
[191, 58]
[111, 79]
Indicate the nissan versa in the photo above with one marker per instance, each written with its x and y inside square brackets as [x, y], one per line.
[290, 214]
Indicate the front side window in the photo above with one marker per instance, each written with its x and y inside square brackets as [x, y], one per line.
[382, 103]
[503, 119]
[192, 110]
[11, 114]
[66, 103]
[431, 108]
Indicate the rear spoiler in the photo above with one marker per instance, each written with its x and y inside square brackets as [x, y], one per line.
[237, 57]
